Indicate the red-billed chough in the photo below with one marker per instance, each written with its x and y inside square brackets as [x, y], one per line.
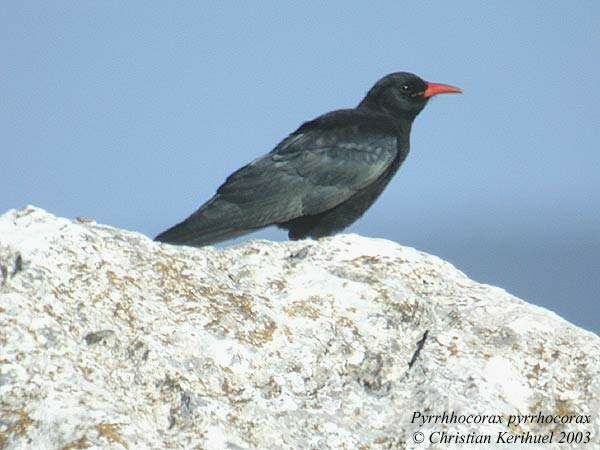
[323, 176]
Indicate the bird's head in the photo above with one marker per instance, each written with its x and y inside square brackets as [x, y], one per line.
[403, 94]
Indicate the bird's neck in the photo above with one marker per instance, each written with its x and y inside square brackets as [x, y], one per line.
[402, 119]
[404, 125]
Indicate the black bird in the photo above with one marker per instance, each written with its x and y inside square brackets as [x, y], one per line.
[323, 176]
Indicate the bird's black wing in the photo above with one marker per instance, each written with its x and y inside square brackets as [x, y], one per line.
[314, 169]
[320, 165]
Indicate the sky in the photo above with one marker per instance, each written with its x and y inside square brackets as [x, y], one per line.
[133, 113]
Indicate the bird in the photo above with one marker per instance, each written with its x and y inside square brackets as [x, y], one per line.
[322, 177]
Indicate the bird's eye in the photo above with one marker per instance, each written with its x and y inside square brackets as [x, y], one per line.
[405, 88]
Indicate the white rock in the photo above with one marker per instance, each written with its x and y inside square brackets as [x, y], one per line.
[109, 340]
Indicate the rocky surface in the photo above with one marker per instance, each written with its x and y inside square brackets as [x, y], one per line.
[109, 340]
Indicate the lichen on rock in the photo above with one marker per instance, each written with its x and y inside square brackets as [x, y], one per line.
[110, 340]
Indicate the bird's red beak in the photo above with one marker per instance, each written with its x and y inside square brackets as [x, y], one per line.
[436, 88]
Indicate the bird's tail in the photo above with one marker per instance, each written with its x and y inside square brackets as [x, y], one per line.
[215, 221]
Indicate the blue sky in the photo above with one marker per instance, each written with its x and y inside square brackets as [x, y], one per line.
[132, 113]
